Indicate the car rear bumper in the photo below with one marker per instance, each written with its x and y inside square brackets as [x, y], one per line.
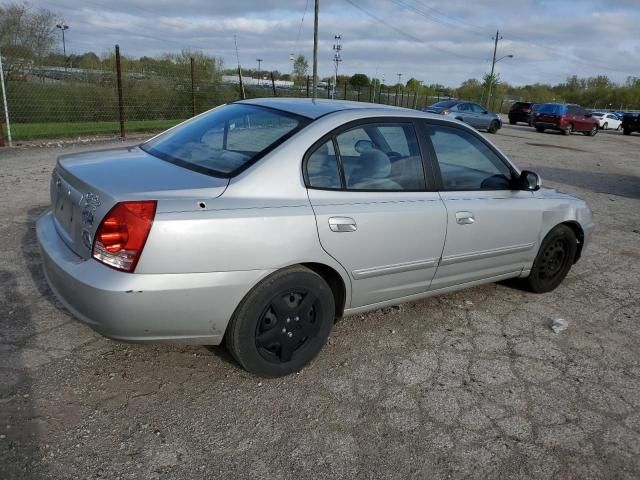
[549, 125]
[186, 308]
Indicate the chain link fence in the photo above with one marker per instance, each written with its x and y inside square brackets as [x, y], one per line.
[117, 96]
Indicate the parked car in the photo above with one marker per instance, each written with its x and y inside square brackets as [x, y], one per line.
[260, 222]
[520, 112]
[631, 123]
[468, 112]
[607, 120]
[567, 118]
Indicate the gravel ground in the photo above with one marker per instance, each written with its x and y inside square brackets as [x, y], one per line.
[472, 384]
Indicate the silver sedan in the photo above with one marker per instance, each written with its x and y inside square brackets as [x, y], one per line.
[261, 222]
[468, 112]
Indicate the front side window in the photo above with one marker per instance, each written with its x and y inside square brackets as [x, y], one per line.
[466, 162]
[226, 139]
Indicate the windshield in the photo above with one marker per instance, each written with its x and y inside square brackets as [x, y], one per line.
[551, 109]
[226, 140]
[444, 104]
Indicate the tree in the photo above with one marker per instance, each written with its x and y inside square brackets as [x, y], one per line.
[359, 80]
[414, 85]
[300, 68]
[26, 35]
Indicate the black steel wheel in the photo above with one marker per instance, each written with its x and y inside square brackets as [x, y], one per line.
[554, 260]
[283, 323]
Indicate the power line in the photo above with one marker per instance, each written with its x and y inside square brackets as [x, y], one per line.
[408, 35]
[447, 21]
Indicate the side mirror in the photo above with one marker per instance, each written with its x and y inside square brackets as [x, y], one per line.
[362, 146]
[530, 181]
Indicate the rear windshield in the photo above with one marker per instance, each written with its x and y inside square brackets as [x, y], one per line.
[226, 140]
[551, 109]
[444, 104]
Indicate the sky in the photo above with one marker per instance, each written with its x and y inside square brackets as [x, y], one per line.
[443, 42]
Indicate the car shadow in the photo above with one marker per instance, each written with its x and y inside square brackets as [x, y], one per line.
[33, 259]
[598, 182]
[22, 444]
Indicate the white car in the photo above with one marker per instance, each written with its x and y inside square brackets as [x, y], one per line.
[608, 120]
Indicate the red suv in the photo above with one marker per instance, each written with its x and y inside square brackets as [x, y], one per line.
[567, 118]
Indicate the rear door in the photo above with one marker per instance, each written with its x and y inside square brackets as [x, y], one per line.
[492, 230]
[374, 212]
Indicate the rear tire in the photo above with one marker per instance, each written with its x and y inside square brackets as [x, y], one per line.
[626, 131]
[283, 323]
[512, 122]
[554, 260]
[539, 129]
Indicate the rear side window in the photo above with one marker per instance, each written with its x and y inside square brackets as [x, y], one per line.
[322, 167]
[371, 157]
[466, 162]
[224, 141]
[551, 109]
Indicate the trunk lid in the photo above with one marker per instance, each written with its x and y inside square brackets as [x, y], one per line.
[85, 186]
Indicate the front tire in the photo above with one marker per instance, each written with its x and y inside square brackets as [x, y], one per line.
[540, 129]
[493, 127]
[626, 131]
[283, 323]
[554, 260]
[568, 130]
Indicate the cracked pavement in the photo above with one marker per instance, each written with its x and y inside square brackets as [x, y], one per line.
[467, 385]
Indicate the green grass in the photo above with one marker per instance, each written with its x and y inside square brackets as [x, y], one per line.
[52, 130]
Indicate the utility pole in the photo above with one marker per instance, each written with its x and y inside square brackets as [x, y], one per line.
[315, 48]
[259, 60]
[242, 95]
[337, 47]
[493, 65]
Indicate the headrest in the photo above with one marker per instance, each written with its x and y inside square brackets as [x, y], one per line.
[374, 164]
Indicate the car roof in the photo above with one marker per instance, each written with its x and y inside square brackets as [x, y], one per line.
[316, 108]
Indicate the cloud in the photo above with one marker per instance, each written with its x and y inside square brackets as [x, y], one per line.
[445, 42]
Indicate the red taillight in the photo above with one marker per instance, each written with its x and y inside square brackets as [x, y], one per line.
[526, 110]
[122, 234]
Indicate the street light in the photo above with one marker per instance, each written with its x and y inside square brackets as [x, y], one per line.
[493, 65]
[63, 26]
[259, 60]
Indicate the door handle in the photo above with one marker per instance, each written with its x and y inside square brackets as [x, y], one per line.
[464, 218]
[342, 224]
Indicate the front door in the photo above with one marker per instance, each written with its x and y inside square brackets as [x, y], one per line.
[492, 230]
[373, 211]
